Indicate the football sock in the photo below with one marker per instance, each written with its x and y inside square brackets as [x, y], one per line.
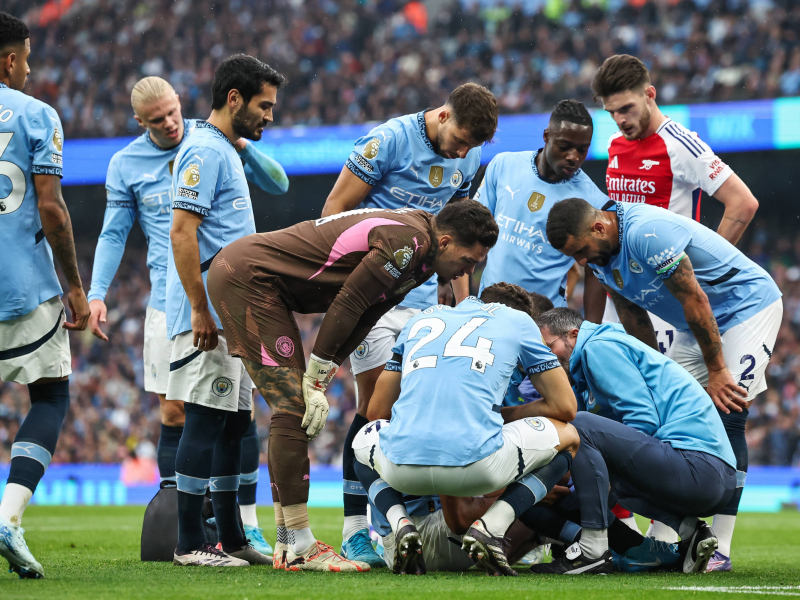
[594, 542]
[297, 526]
[723, 528]
[533, 487]
[288, 460]
[248, 511]
[15, 500]
[224, 482]
[687, 527]
[168, 443]
[631, 522]
[251, 451]
[396, 515]
[36, 439]
[663, 532]
[546, 522]
[282, 534]
[193, 466]
[383, 497]
[303, 539]
[499, 518]
[622, 538]
[355, 496]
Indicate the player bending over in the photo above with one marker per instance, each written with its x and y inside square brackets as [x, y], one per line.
[34, 225]
[665, 425]
[448, 433]
[353, 267]
[138, 187]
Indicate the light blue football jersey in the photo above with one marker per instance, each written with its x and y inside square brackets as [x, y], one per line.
[653, 241]
[31, 142]
[398, 160]
[631, 383]
[456, 366]
[520, 201]
[208, 179]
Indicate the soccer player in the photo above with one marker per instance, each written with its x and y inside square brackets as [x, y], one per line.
[138, 187]
[665, 423]
[470, 446]
[520, 188]
[419, 161]
[654, 160]
[353, 267]
[211, 208]
[726, 309]
[34, 225]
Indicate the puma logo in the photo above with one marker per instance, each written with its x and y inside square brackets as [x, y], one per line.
[510, 191]
[647, 235]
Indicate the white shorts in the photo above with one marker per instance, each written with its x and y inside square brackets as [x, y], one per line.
[527, 445]
[665, 333]
[35, 345]
[214, 379]
[746, 347]
[376, 349]
[441, 548]
[157, 351]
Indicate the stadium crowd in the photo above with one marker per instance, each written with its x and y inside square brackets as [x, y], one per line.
[111, 417]
[362, 60]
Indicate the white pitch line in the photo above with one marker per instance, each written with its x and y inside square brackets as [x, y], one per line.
[768, 590]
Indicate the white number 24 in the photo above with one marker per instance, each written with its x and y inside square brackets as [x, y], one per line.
[480, 354]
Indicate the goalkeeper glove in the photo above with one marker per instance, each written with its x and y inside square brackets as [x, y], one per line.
[315, 381]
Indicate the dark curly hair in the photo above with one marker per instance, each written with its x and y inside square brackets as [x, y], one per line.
[12, 31]
[509, 294]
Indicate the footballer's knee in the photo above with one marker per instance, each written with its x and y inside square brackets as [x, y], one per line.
[173, 413]
[365, 384]
[568, 438]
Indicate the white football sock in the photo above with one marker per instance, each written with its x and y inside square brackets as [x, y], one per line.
[664, 533]
[593, 542]
[249, 516]
[630, 522]
[395, 515]
[687, 527]
[15, 501]
[499, 518]
[353, 525]
[303, 539]
[723, 528]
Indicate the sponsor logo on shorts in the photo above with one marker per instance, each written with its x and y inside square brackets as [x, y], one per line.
[537, 424]
[362, 350]
[284, 346]
[635, 267]
[222, 386]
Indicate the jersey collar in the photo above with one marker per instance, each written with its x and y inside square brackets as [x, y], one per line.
[423, 131]
[621, 221]
[214, 129]
[150, 141]
[3, 85]
[536, 171]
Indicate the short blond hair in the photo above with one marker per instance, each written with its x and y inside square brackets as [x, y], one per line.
[150, 89]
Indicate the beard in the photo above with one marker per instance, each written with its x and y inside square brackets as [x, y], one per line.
[604, 253]
[644, 122]
[245, 124]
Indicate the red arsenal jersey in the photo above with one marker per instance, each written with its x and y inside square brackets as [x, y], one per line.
[668, 169]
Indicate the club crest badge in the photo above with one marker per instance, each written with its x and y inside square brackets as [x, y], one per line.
[191, 176]
[457, 178]
[361, 350]
[618, 278]
[535, 202]
[537, 424]
[284, 346]
[402, 257]
[436, 175]
[635, 267]
[371, 149]
[222, 386]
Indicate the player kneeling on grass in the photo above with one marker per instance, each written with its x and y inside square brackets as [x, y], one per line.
[665, 455]
[449, 435]
[354, 267]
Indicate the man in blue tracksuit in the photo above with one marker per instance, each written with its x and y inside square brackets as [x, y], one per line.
[665, 454]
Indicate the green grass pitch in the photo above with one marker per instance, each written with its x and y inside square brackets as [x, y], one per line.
[91, 552]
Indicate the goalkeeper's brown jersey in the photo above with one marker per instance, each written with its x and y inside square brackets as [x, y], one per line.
[353, 266]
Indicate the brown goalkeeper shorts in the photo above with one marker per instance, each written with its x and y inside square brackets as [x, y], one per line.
[258, 325]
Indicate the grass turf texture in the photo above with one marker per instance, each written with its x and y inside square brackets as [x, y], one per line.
[92, 552]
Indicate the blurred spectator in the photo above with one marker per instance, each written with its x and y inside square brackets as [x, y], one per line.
[351, 61]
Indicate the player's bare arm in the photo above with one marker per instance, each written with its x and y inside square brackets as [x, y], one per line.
[558, 400]
[386, 393]
[740, 208]
[721, 387]
[594, 297]
[186, 251]
[634, 318]
[57, 227]
[347, 193]
[280, 387]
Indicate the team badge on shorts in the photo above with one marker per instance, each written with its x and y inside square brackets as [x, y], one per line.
[284, 346]
[537, 424]
[222, 386]
[456, 178]
[635, 267]
[362, 350]
[436, 175]
[618, 278]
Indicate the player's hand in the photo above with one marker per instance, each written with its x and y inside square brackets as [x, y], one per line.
[98, 315]
[240, 144]
[204, 330]
[315, 381]
[725, 393]
[446, 295]
[78, 308]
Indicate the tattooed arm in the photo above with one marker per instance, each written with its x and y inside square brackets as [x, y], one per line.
[57, 228]
[740, 208]
[634, 319]
[721, 387]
